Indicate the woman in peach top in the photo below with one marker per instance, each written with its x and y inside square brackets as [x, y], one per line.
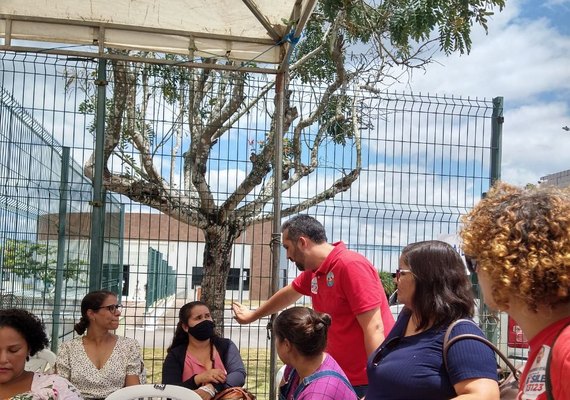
[199, 359]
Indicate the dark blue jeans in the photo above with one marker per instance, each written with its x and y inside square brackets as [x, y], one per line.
[360, 390]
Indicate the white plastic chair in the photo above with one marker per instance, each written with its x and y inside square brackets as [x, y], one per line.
[42, 361]
[279, 376]
[149, 390]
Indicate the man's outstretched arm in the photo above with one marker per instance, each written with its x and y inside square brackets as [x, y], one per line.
[373, 329]
[281, 299]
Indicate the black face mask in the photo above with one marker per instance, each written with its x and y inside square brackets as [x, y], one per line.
[202, 331]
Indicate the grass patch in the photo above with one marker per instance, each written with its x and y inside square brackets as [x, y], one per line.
[256, 365]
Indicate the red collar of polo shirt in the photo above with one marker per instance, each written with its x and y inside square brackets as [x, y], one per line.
[327, 263]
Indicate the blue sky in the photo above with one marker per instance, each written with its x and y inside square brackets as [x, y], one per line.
[526, 59]
[555, 10]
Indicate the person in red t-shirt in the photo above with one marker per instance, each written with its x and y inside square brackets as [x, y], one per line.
[341, 283]
[520, 242]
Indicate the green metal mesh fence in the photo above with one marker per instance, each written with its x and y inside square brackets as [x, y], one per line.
[425, 161]
[43, 267]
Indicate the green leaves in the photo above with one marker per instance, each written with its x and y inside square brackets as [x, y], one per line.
[337, 119]
[321, 67]
[452, 20]
[387, 282]
[171, 80]
[398, 23]
[28, 259]
[388, 30]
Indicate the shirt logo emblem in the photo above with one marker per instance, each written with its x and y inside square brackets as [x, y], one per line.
[314, 285]
[330, 279]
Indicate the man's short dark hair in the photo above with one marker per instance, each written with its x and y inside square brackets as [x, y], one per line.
[304, 225]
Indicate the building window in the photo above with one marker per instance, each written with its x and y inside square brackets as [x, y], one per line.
[233, 278]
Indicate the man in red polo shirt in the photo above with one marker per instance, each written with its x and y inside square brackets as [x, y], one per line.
[341, 283]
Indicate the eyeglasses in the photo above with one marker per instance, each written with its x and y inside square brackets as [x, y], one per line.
[112, 307]
[386, 348]
[471, 265]
[400, 272]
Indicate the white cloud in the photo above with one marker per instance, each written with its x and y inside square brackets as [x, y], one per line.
[534, 143]
[224, 182]
[527, 62]
[515, 63]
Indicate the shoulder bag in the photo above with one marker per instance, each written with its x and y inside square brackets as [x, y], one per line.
[509, 386]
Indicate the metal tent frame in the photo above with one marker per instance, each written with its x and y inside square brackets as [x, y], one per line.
[258, 34]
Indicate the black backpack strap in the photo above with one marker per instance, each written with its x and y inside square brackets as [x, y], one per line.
[549, 394]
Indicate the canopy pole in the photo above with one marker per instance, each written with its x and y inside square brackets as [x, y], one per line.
[98, 202]
[280, 86]
[62, 223]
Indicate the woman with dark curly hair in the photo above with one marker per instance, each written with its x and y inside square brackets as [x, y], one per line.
[434, 288]
[99, 362]
[22, 335]
[310, 373]
[520, 242]
[199, 359]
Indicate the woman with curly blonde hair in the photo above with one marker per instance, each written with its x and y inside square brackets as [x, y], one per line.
[519, 241]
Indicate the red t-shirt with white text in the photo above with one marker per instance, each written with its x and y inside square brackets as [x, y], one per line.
[533, 378]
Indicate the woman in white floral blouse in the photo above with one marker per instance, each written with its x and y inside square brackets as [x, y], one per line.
[22, 334]
[99, 362]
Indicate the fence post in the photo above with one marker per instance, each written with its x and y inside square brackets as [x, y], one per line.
[490, 319]
[496, 139]
[62, 222]
[120, 245]
[280, 86]
[98, 202]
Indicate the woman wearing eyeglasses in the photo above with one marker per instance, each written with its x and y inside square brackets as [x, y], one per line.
[99, 362]
[435, 290]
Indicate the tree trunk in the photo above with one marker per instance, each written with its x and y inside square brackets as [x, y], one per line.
[217, 262]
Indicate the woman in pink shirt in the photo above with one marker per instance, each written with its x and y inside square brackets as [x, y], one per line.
[199, 359]
[301, 338]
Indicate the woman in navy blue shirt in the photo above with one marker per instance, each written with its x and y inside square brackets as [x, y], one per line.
[435, 290]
